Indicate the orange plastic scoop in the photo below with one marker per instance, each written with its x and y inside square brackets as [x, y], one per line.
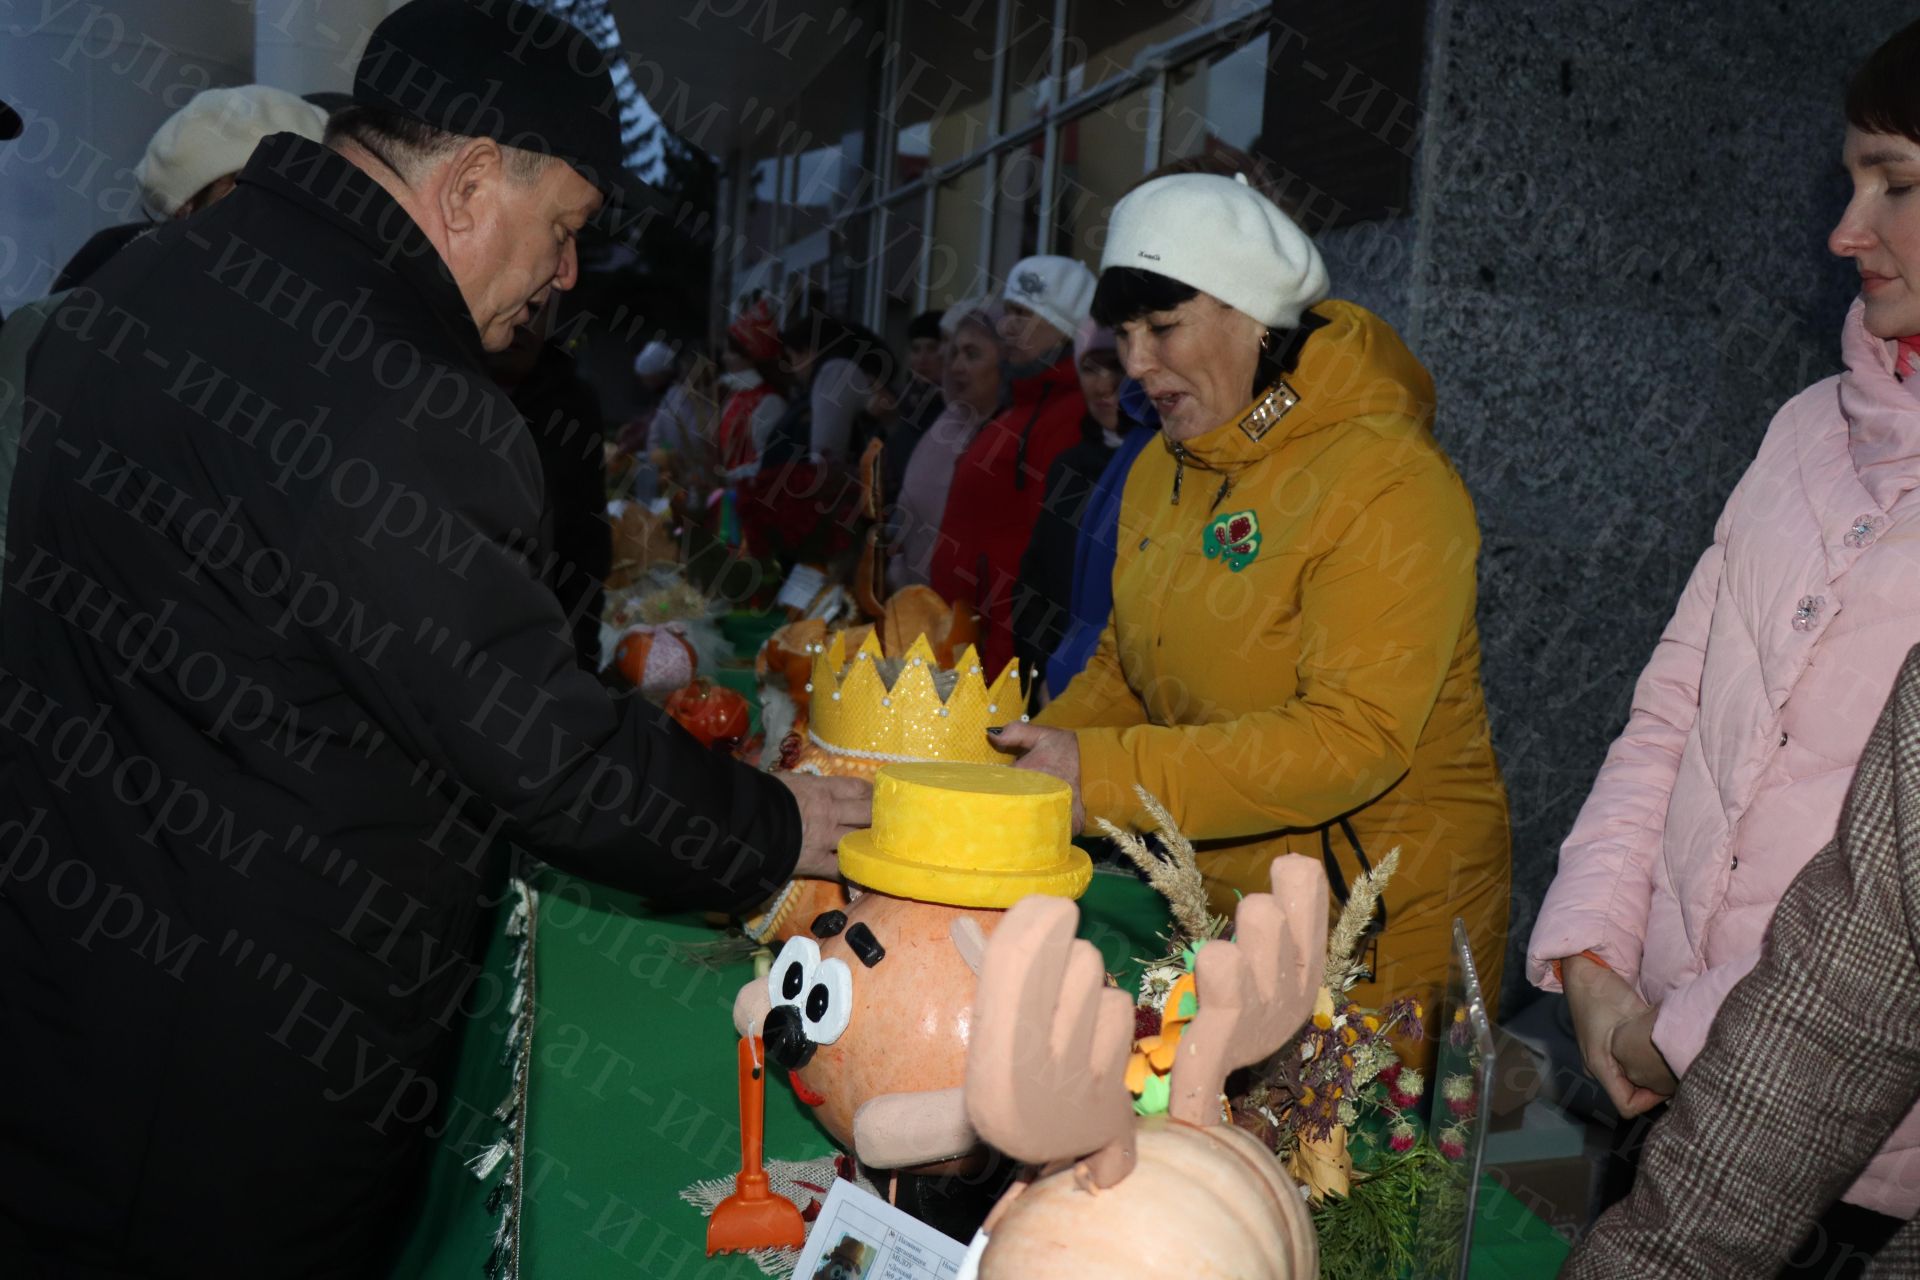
[753, 1217]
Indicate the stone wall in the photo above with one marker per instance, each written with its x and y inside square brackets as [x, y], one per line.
[1616, 271]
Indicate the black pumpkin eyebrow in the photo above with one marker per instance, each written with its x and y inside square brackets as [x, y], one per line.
[828, 923]
[862, 943]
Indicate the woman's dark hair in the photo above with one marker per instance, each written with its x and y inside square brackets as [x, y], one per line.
[1127, 293]
[1884, 96]
[829, 337]
[925, 325]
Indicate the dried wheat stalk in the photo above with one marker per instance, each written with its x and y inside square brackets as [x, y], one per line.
[1342, 966]
[1176, 876]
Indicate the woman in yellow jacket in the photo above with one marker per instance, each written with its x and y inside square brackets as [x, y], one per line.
[1292, 664]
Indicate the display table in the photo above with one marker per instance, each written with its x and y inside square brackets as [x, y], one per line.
[631, 1097]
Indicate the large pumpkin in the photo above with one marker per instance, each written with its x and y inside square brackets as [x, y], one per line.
[1200, 1202]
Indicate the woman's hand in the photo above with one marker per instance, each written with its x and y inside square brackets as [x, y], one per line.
[1633, 1048]
[1055, 752]
[1600, 1001]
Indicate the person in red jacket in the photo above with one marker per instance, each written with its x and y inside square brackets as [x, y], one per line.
[1000, 481]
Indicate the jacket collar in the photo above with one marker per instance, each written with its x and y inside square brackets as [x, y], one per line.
[1883, 417]
[1057, 378]
[321, 181]
[1353, 364]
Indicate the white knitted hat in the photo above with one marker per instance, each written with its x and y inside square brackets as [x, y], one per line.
[1058, 290]
[1222, 237]
[213, 136]
[654, 359]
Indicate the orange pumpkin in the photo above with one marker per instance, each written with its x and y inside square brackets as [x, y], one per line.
[903, 1021]
[710, 712]
[1200, 1202]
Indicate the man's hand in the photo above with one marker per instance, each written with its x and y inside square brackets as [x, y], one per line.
[829, 809]
[1050, 751]
[1600, 1000]
[1633, 1048]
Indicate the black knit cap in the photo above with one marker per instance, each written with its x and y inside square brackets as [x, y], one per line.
[503, 70]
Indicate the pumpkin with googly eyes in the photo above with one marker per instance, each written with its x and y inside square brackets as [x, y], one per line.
[869, 1011]
[875, 1017]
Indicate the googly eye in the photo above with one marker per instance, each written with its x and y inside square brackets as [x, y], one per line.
[793, 969]
[828, 1006]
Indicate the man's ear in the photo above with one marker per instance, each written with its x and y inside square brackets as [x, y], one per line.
[469, 180]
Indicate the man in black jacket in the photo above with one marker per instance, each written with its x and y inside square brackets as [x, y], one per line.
[277, 684]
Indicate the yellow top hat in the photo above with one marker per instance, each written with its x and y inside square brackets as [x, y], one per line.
[967, 835]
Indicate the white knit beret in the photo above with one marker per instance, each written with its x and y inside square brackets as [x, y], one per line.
[213, 136]
[1058, 290]
[1222, 237]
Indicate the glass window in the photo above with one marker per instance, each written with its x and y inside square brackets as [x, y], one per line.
[944, 79]
[961, 209]
[903, 236]
[829, 131]
[1214, 102]
[1029, 70]
[763, 203]
[1016, 213]
[1106, 37]
[1102, 154]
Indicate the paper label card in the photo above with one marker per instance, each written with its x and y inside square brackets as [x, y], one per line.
[859, 1236]
[802, 585]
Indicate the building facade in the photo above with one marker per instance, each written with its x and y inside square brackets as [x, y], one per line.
[936, 145]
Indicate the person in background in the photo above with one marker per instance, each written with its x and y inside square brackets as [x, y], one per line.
[1043, 600]
[189, 165]
[803, 505]
[573, 550]
[652, 374]
[1748, 719]
[973, 390]
[196, 155]
[754, 388]
[665, 431]
[192, 161]
[999, 483]
[1293, 664]
[926, 341]
[835, 368]
[906, 415]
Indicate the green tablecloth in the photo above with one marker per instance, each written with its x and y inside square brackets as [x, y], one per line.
[632, 1096]
[632, 1099]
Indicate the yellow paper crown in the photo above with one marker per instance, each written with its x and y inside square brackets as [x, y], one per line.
[852, 711]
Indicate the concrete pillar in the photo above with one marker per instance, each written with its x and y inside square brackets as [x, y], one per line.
[310, 46]
[93, 81]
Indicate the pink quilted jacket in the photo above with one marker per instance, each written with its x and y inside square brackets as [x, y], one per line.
[1749, 718]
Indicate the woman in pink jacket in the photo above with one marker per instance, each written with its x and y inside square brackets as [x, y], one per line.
[1749, 718]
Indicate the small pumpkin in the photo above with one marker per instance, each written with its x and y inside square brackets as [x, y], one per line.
[712, 713]
[655, 660]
